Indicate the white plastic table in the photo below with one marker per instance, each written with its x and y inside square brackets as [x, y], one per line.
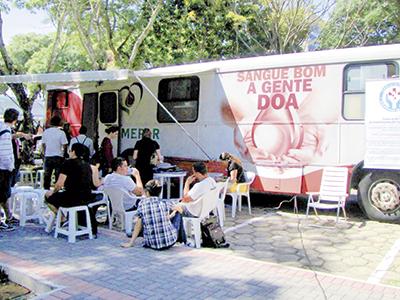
[167, 176]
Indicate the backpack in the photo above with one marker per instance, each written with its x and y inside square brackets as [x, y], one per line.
[86, 151]
[212, 234]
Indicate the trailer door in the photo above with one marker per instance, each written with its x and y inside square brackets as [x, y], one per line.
[89, 115]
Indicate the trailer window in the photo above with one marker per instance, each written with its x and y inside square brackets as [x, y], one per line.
[108, 108]
[59, 99]
[181, 97]
[354, 86]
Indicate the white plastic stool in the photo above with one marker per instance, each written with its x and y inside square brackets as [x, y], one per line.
[26, 176]
[27, 206]
[39, 179]
[73, 229]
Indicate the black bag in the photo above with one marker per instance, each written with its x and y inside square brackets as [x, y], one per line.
[212, 234]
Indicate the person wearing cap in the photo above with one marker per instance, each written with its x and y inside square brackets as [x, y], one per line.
[159, 224]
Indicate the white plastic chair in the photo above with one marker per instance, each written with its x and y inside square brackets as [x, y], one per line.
[105, 202]
[209, 200]
[116, 197]
[242, 189]
[333, 191]
[223, 186]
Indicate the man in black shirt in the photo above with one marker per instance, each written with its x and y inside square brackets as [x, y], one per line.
[142, 153]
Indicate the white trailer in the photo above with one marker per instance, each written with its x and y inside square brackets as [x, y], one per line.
[286, 116]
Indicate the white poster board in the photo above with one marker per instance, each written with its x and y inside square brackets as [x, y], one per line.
[382, 120]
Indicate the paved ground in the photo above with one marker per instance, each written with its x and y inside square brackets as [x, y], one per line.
[354, 248]
[267, 260]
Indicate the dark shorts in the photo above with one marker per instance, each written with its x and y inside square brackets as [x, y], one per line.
[66, 199]
[5, 185]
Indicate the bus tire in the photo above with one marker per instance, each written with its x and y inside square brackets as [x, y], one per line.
[379, 196]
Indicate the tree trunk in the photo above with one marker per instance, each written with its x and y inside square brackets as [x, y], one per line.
[145, 32]
[22, 97]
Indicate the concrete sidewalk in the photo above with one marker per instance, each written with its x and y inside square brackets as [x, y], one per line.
[100, 269]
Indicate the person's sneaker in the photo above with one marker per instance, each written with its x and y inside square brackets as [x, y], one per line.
[5, 227]
[12, 221]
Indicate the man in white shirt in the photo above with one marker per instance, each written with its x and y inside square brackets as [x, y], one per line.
[54, 142]
[119, 179]
[189, 205]
[7, 163]
[83, 139]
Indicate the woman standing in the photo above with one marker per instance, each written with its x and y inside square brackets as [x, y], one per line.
[142, 153]
[107, 149]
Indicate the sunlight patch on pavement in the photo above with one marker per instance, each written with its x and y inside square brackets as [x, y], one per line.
[244, 224]
[385, 264]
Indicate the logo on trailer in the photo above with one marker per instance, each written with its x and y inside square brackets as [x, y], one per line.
[389, 97]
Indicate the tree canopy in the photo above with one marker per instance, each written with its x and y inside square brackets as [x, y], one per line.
[104, 34]
[361, 23]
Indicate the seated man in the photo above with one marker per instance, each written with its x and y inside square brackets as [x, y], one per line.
[119, 179]
[160, 228]
[189, 205]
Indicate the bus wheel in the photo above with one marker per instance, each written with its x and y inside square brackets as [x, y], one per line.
[379, 196]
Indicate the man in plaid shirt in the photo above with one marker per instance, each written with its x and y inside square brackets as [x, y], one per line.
[161, 229]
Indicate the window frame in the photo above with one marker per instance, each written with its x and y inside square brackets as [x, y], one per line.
[362, 92]
[162, 99]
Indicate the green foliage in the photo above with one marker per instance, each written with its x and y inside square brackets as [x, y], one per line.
[30, 53]
[102, 33]
[3, 88]
[187, 31]
[22, 47]
[360, 22]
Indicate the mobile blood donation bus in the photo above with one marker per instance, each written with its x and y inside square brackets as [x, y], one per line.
[286, 116]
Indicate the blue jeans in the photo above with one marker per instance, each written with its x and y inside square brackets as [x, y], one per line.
[177, 222]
